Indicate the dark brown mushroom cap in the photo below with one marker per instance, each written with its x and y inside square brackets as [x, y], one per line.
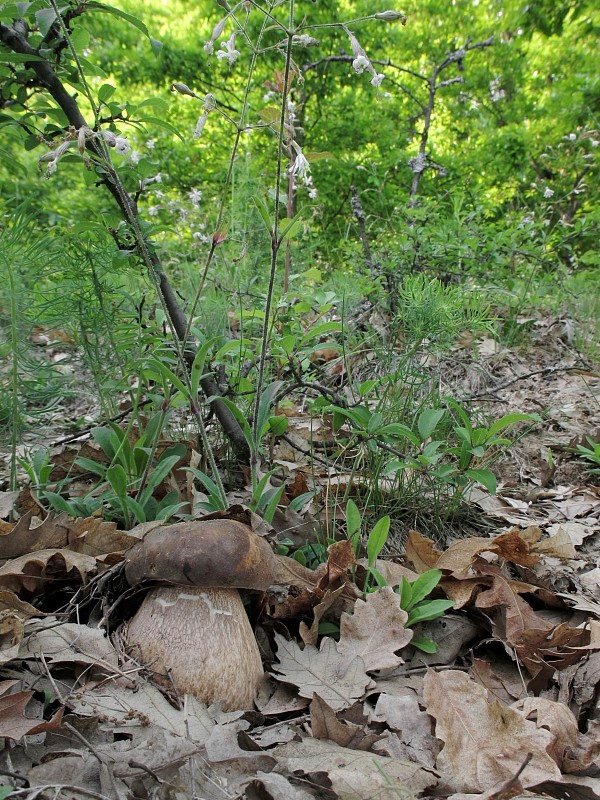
[215, 553]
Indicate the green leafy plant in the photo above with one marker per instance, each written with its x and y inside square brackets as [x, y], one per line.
[128, 482]
[413, 594]
[591, 454]
[459, 458]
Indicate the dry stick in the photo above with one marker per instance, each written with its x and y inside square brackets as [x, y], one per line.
[47, 79]
[358, 212]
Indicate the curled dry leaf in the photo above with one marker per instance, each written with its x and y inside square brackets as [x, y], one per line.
[413, 740]
[484, 743]
[325, 724]
[30, 573]
[91, 536]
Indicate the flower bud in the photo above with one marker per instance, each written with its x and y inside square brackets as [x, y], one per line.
[391, 16]
[182, 89]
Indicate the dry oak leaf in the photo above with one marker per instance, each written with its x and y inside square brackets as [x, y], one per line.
[13, 615]
[421, 552]
[324, 672]
[556, 718]
[375, 631]
[13, 722]
[90, 535]
[414, 740]
[324, 724]
[32, 571]
[484, 743]
[354, 774]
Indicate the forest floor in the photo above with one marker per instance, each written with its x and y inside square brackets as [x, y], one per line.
[508, 705]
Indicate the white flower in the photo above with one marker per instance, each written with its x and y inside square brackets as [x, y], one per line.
[153, 211]
[159, 195]
[122, 146]
[150, 144]
[135, 157]
[595, 142]
[300, 166]
[200, 125]
[548, 192]
[312, 193]
[195, 196]
[304, 40]
[200, 237]
[229, 53]
[376, 79]
[360, 64]
[572, 136]
[157, 178]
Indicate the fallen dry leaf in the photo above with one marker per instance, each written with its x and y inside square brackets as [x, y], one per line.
[484, 743]
[353, 774]
[375, 631]
[31, 572]
[13, 722]
[325, 724]
[324, 672]
[414, 739]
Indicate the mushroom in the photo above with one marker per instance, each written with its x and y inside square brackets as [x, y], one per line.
[192, 630]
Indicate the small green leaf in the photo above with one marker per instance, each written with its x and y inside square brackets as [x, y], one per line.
[424, 644]
[278, 425]
[423, 586]
[428, 611]
[429, 419]
[405, 594]
[45, 18]
[511, 419]
[105, 92]
[485, 477]
[158, 475]
[352, 519]
[377, 539]
[117, 477]
[271, 508]
[263, 210]
[58, 503]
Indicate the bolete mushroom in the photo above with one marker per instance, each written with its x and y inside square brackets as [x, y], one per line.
[192, 630]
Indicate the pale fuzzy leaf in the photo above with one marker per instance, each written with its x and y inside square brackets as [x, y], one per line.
[354, 774]
[484, 743]
[375, 631]
[324, 672]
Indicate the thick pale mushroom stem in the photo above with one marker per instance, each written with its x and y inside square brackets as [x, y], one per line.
[200, 641]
